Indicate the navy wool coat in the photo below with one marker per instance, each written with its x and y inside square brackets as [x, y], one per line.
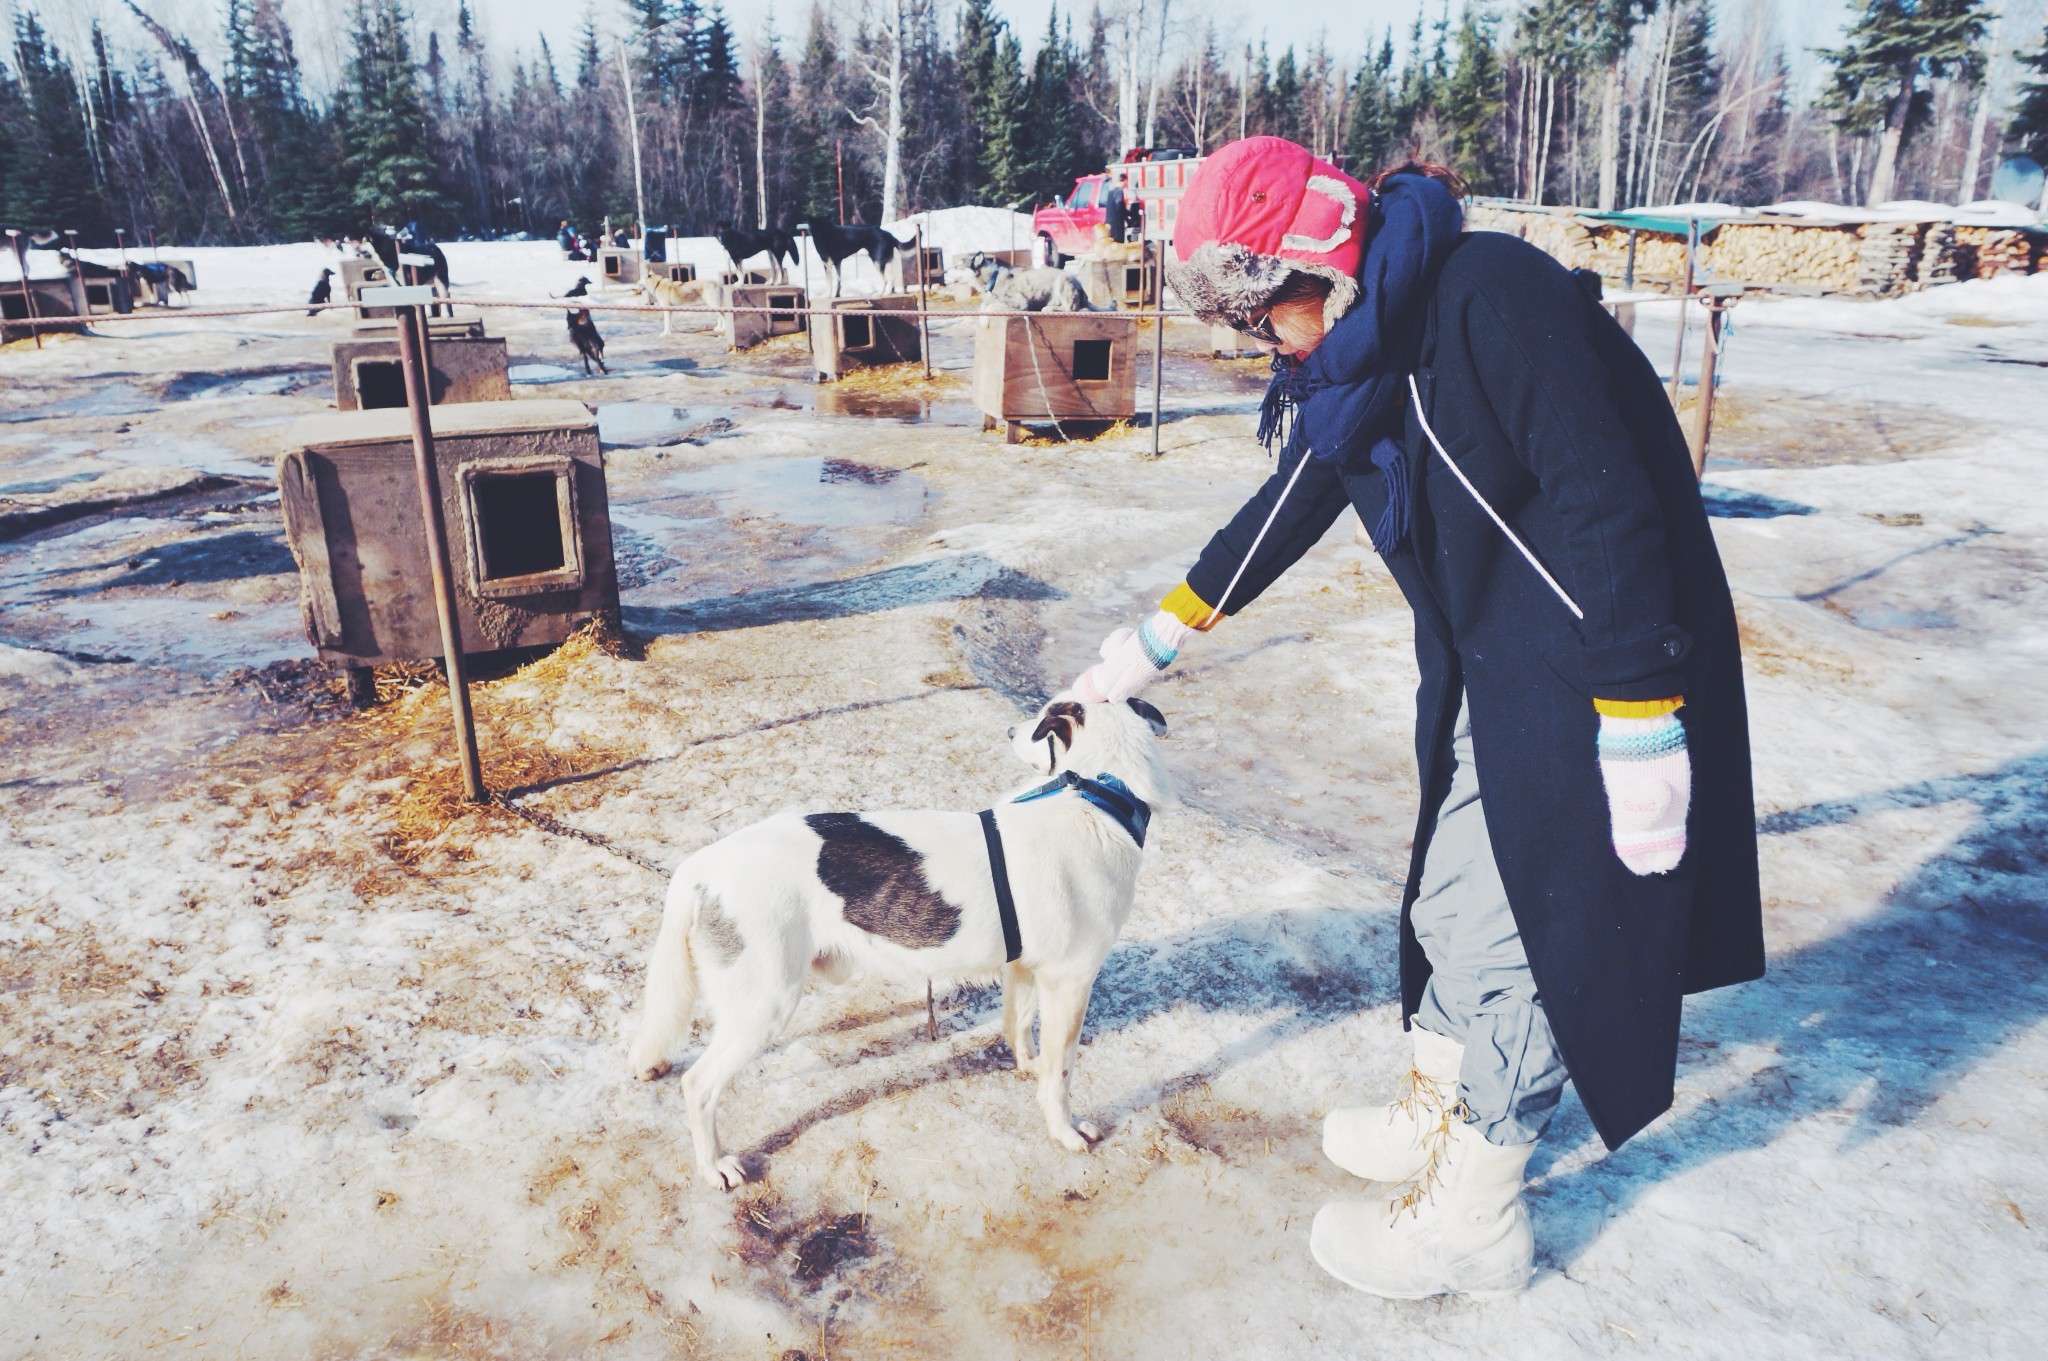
[1561, 423]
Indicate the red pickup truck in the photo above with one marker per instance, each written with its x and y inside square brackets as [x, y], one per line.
[1137, 198]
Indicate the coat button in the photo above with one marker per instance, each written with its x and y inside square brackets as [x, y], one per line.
[1671, 647]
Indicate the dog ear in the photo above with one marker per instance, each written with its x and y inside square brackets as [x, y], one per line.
[1155, 719]
[1056, 725]
[1062, 720]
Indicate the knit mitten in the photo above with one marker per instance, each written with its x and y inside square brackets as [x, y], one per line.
[1648, 776]
[1131, 658]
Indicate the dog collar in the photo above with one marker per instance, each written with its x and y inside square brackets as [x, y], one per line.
[1106, 792]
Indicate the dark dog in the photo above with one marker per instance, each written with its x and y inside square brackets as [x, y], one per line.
[388, 247]
[775, 242]
[583, 331]
[322, 291]
[840, 242]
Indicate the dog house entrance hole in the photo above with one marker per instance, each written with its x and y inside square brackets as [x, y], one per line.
[1134, 278]
[13, 307]
[99, 293]
[856, 333]
[380, 383]
[1091, 361]
[613, 264]
[782, 307]
[518, 524]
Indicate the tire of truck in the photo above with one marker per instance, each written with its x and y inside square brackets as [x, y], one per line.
[1049, 252]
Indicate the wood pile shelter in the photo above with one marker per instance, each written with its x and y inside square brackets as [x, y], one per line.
[1054, 366]
[369, 376]
[523, 497]
[1818, 249]
[865, 333]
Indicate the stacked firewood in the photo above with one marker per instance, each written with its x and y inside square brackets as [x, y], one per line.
[1938, 255]
[1890, 255]
[1815, 256]
[1985, 251]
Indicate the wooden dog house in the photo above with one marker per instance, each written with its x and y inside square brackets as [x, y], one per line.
[529, 529]
[864, 333]
[438, 328]
[1227, 342]
[368, 374]
[1054, 366]
[744, 329]
[619, 265]
[675, 271]
[53, 296]
[746, 278]
[360, 273]
[907, 269]
[109, 293]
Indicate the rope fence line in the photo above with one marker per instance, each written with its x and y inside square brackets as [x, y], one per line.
[645, 308]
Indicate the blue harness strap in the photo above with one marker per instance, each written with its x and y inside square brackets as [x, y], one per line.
[1106, 792]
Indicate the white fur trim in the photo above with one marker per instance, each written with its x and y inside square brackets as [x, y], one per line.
[1338, 193]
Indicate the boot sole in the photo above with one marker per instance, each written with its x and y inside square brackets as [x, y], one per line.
[1499, 1293]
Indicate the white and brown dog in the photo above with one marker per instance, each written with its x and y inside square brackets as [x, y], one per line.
[1035, 893]
[666, 293]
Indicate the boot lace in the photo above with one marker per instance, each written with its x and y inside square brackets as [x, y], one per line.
[1422, 1100]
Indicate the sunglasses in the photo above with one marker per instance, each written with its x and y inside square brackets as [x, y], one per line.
[1260, 330]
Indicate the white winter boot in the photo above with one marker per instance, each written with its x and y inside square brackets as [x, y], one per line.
[1462, 1230]
[1386, 1143]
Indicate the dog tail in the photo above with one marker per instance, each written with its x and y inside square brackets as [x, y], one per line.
[671, 997]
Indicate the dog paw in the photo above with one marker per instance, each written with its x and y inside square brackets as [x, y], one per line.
[1088, 1130]
[725, 1174]
[1075, 1139]
[649, 1072]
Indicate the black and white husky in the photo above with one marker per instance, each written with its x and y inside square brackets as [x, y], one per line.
[914, 895]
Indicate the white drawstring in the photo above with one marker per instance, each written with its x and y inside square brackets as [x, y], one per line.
[1493, 514]
[1463, 481]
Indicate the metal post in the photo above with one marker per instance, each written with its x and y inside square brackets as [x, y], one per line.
[924, 329]
[839, 163]
[412, 328]
[1703, 418]
[77, 269]
[632, 131]
[121, 240]
[1159, 337]
[28, 296]
[1628, 275]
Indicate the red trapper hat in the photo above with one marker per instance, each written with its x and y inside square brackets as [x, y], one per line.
[1259, 210]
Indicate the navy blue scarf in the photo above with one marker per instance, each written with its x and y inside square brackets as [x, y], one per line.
[1349, 388]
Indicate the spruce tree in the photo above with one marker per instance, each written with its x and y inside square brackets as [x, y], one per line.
[1470, 105]
[1284, 99]
[1373, 133]
[51, 183]
[2029, 125]
[1006, 114]
[974, 59]
[1894, 46]
[389, 162]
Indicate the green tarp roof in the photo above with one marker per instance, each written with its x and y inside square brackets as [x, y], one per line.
[1652, 222]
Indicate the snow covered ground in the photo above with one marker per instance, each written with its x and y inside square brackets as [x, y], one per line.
[287, 1068]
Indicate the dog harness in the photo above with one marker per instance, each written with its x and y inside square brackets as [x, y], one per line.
[1105, 791]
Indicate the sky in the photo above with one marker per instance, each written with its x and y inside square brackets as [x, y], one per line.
[514, 27]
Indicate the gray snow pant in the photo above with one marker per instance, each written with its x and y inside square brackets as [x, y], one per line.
[1480, 991]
